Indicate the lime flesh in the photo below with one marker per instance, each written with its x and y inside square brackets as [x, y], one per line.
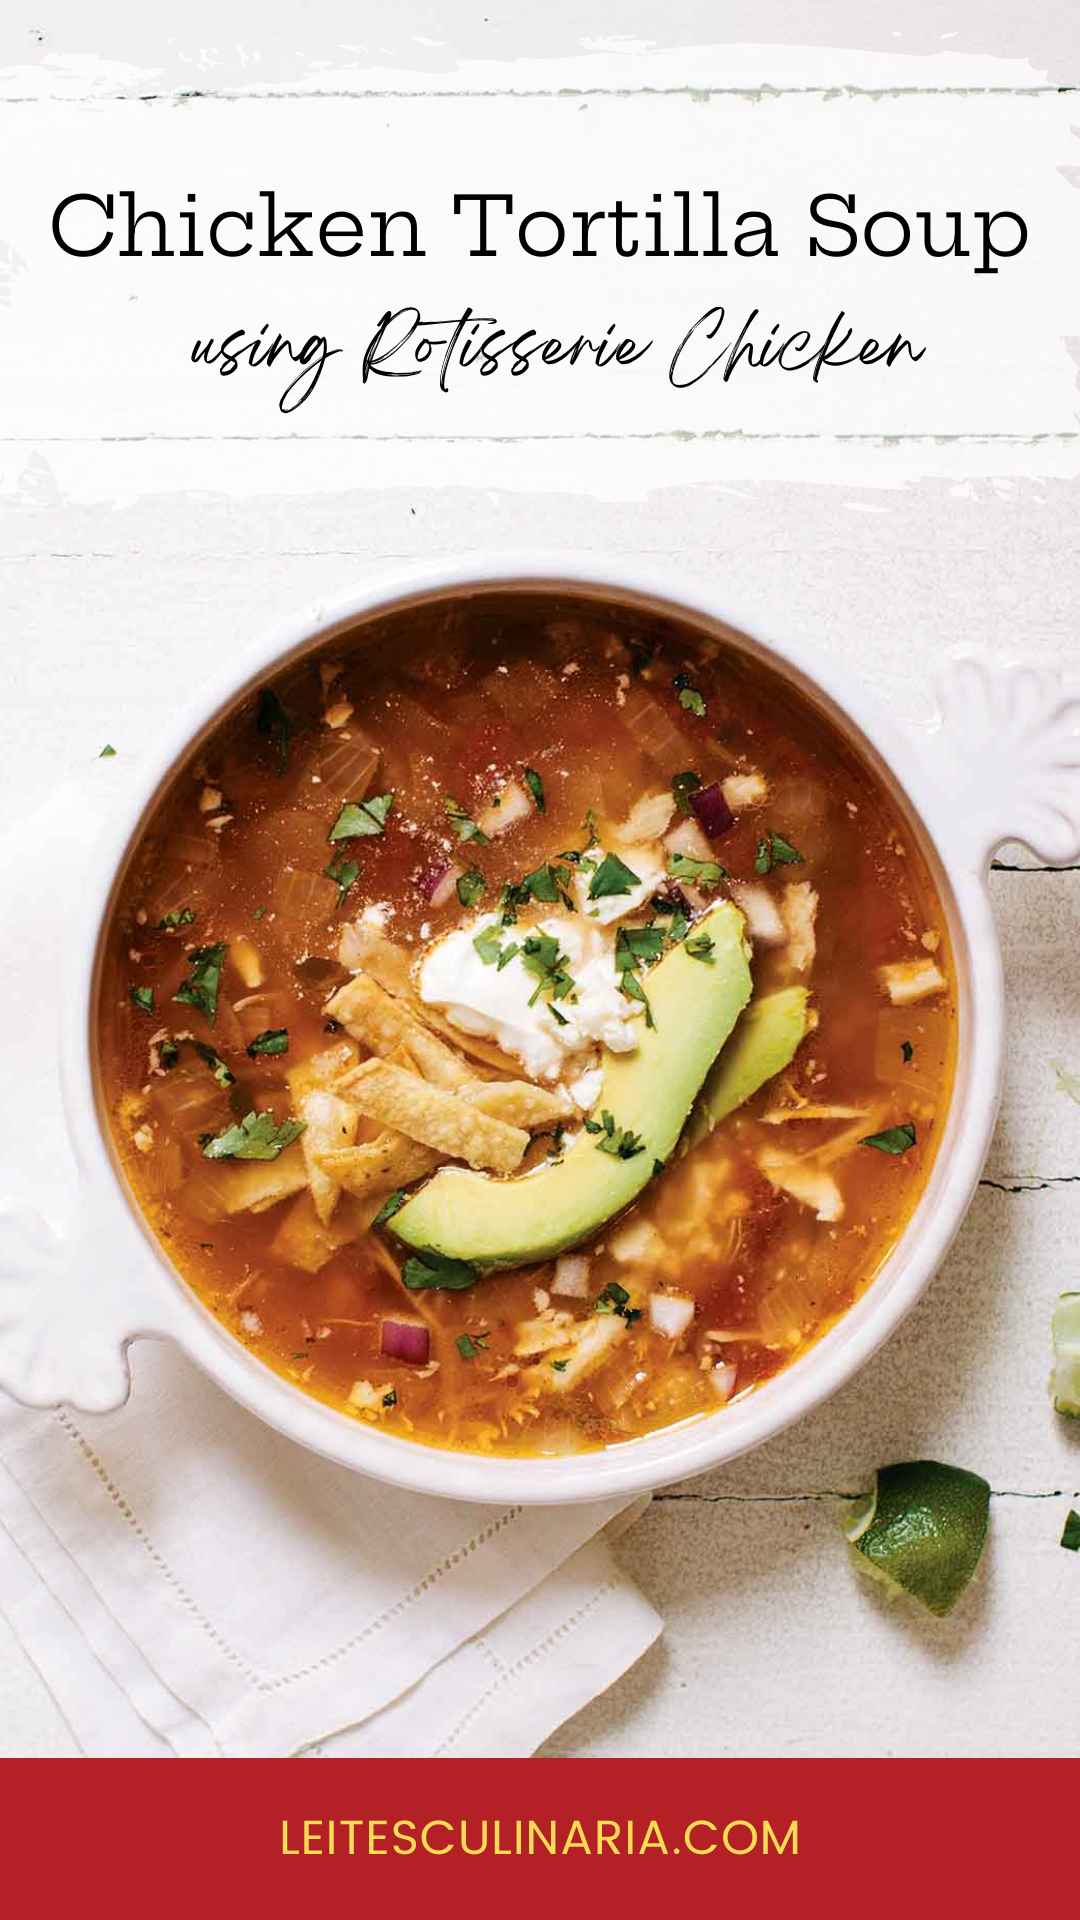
[921, 1531]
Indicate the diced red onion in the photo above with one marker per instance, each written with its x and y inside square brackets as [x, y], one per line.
[405, 1340]
[446, 890]
[711, 810]
[435, 877]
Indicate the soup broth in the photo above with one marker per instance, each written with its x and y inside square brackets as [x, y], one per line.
[399, 926]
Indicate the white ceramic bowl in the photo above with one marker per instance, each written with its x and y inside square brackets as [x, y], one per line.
[1004, 763]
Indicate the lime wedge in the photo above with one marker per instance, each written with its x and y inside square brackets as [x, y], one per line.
[1065, 1332]
[921, 1530]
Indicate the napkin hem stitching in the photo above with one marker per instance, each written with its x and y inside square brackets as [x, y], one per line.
[538, 1652]
[267, 1683]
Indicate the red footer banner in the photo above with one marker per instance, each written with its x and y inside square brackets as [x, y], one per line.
[878, 1837]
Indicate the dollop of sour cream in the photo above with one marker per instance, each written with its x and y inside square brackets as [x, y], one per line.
[493, 1003]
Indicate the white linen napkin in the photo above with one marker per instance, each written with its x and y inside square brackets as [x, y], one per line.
[189, 1583]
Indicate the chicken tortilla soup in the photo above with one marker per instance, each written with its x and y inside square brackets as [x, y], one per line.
[527, 1023]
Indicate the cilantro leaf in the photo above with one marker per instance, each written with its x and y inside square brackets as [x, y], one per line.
[107, 753]
[223, 1074]
[774, 851]
[700, 946]
[682, 786]
[907, 1051]
[273, 721]
[611, 877]
[488, 946]
[201, 989]
[691, 700]
[143, 998]
[390, 1399]
[178, 917]
[257, 1137]
[470, 1344]
[271, 1040]
[1070, 1534]
[536, 788]
[634, 944]
[541, 957]
[465, 827]
[615, 1299]
[391, 1205]
[702, 873]
[362, 819]
[893, 1140]
[471, 887]
[344, 874]
[437, 1270]
[616, 1140]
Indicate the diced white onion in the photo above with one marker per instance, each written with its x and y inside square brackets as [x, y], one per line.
[670, 1314]
[723, 1377]
[447, 886]
[571, 1276]
[762, 913]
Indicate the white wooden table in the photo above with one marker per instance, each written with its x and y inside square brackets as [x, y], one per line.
[132, 559]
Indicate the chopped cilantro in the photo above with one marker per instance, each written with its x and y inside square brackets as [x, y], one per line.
[344, 874]
[536, 788]
[702, 873]
[559, 1366]
[424, 1270]
[470, 1344]
[271, 1040]
[633, 944]
[488, 945]
[612, 877]
[178, 917]
[774, 851]
[1070, 1534]
[464, 827]
[168, 1053]
[616, 1140]
[547, 884]
[507, 955]
[391, 1205]
[615, 1299]
[541, 957]
[258, 1137]
[893, 1140]
[470, 887]
[657, 1167]
[107, 753]
[691, 700]
[362, 819]
[631, 989]
[273, 721]
[258, 913]
[682, 786]
[700, 946]
[143, 998]
[202, 988]
[390, 1399]
[222, 1073]
[907, 1051]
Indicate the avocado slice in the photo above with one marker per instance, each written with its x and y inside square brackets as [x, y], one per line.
[764, 1042]
[533, 1216]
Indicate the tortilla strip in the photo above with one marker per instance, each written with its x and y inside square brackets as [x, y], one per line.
[378, 1166]
[485, 1051]
[328, 1123]
[367, 950]
[321, 1070]
[518, 1103]
[432, 1116]
[381, 1023]
[303, 1240]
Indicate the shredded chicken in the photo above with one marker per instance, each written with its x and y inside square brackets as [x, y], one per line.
[908, 980]
[798, 906]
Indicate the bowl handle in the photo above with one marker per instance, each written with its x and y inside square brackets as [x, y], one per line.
[67, 1314]
[1007, 749]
